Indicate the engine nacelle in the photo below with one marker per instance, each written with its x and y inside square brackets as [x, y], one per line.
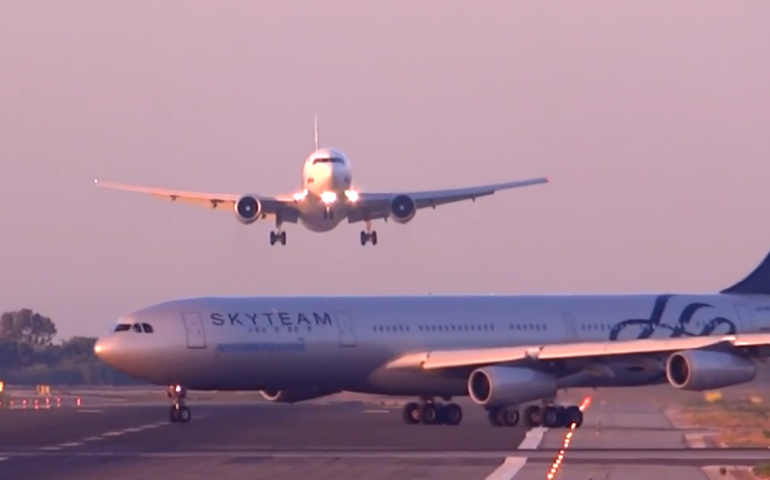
[706, 370]
[503, 386]
[402, 209]
[292, 396]
[248, 209]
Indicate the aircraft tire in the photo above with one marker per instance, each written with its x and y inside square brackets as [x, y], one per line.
[429, 414]
[452, 414]
[509, 417]
[411, 413]
[185, 415]
[493, 415]
[573, 414]
[533, 416]
[553, 417]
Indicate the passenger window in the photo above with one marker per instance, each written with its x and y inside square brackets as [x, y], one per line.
[147, 328]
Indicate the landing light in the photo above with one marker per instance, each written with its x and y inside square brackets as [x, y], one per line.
[352, 195]
[328, 197]
[299, 196]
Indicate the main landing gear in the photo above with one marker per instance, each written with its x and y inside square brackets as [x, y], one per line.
[429, 412]
[368, 235]
[550, 416]
[278, 235]
[180, 413]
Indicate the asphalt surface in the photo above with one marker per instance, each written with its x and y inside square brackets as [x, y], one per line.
[336, 441]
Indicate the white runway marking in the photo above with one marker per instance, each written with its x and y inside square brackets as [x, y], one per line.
[511, 466]
[93, 439]
[50, 448]
[90, 411]
[376, 411]
[3, 458]
[113, 434]
[70, 444]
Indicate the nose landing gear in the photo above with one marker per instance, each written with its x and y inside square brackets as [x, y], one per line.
[179, 413]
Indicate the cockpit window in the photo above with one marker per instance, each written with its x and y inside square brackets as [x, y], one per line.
[135, 327]
[329, 160]
[147, 328]
[122, 327]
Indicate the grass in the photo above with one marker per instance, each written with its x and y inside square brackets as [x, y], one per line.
[762, 470]
[740, 422]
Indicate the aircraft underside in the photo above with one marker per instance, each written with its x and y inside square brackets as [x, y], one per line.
[524, 396]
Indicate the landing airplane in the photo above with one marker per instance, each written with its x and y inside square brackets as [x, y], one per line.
[327, 198]
[502, 351]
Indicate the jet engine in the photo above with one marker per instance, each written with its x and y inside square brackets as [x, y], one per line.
[402, 209]
[293, 396]
[247, 209]
[503, 386]
[708, 370]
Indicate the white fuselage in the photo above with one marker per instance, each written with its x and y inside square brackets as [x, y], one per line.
[351, 343]
[326, 182]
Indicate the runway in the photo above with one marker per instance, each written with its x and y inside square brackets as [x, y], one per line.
[340, 441]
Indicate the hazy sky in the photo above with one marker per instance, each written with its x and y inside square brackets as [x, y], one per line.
[651, 117]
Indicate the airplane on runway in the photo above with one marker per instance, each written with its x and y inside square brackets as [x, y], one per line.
[327, 197]
[502, 351]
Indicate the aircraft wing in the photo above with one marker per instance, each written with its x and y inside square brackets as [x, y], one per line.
[478, 357]
[270, 205]
[372, 206]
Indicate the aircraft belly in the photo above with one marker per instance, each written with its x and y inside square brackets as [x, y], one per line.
[317, 364]
[413, 382]
[313, 218]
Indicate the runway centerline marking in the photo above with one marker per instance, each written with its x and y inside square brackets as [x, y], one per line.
[376, 411]
[71, 444]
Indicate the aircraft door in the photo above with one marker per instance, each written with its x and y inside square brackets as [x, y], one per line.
[569, 326]
[745, 318]
[346, 328]
[193, 326]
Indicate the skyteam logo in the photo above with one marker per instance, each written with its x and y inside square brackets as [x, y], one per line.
[679, 329]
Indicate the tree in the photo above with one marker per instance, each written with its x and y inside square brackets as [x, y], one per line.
[26, 326]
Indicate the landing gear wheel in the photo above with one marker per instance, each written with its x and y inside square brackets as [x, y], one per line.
[553, 417]
[573, 415]
[533, 416]
[493, 415]
[411, 413]
[429, 414]
[276, 237]
[367, 237]
[180, 414]
[452, 414]
[509, 418]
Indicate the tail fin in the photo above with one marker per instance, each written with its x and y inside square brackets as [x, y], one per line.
[757, 282]
[315, 128]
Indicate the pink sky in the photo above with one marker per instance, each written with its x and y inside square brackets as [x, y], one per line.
[651, 117]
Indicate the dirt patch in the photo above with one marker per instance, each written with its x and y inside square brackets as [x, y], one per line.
[739, 423]
[762, 470]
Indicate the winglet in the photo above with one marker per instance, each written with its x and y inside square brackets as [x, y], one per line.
[315, 128]
[756, 282]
